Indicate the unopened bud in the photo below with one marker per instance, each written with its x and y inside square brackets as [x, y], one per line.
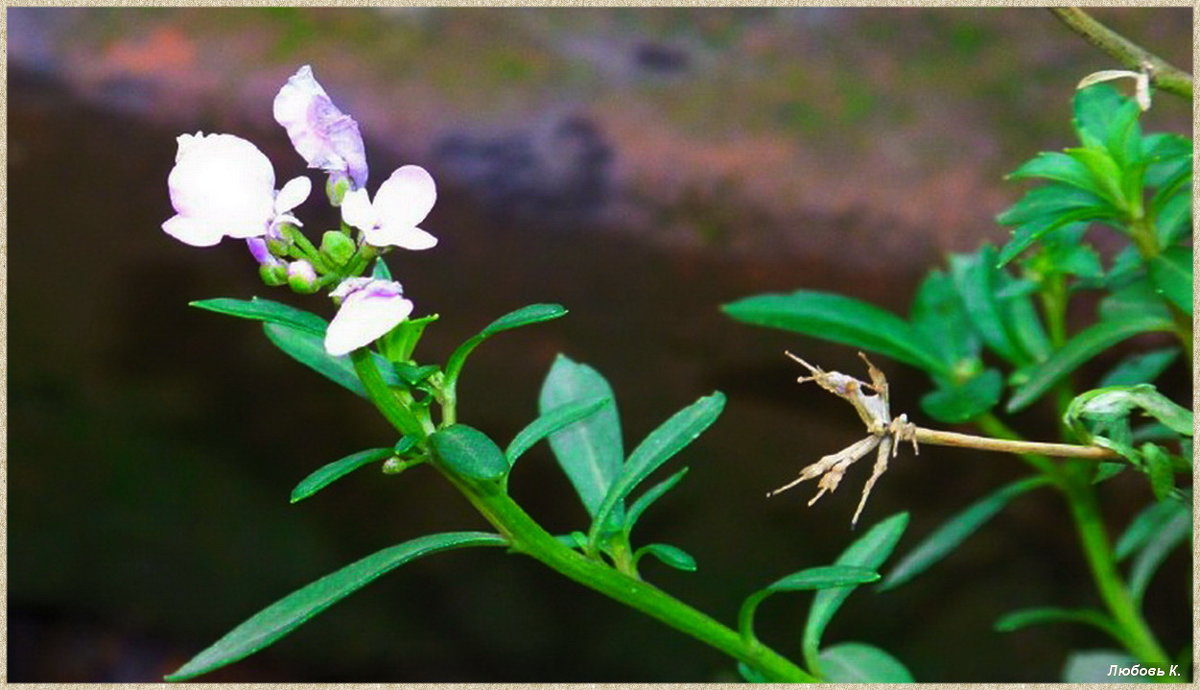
[337, 247]
[273, 273]
[302, 278]
[336, 187]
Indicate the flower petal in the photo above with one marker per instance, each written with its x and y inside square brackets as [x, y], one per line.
[400, 236]
[322, 134]
[293, 194]
[193, 231]
[405, 198]
[363, 317]
[357, 210]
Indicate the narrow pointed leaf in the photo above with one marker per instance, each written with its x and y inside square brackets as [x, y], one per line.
[531, 314]
[824, 577]
[855, 662]
[652, 494]
[957, 404]
[285, 615]
[868, 551]
[1175, 531]
[938, 315]
[469, 452]
[1083, 346]
[1145, 526]
[975, 278]
[1142, 367]
[1171, 274]
[954, 531]
[659, 446]
[265, 310]
[590, 451]
[337, 469]
[1060, 167]
[841, 320]
[549, 423]
[1015, 620]
[673, 556]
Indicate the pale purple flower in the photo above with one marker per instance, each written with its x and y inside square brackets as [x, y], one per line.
[258, 249]
[403, 200]
[322, 134]
[370, 308]
[223, 186]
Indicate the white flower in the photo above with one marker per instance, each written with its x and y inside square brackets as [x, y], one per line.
[403, 200]
[223, 186]
[370, 308]
[322, 134]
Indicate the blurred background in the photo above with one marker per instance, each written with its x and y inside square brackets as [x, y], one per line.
[641, 167]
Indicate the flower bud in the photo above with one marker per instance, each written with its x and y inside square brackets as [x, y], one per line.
[337, 248]
[278, 246]
[302, 278]
[336, 187]
[273, 274]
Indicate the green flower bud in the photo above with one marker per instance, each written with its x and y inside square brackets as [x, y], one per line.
[273, 273]
[278, 246]
[336, 187]
[302, 278]
[336, 248]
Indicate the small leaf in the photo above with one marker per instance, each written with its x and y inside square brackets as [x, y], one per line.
[751, 674]
[856, 662]
[380, 271]
[1135, 299]
[1108, 470]
[1083, 346]
[337, 469]
[673, 556]
[976, 279]
[531, 314]
[1026, 234]
[1015, 620]
[1060, 167]
[469, 452]
[1049, 201]
[945, 539]
[841, 320]
[1142, 367]
[652, 494]
[285, 615]
[1091, 666]
[940, 318]
[552, 421]
[957, 404]
[266, 310]
[397, 345]
[868, 551]
[309, 349]
[824, 577]
[659, 446]
[1176, 530]
[1145, 526]
[1171, 274]
[1158, 467]
[1173, 218]
[590, 451]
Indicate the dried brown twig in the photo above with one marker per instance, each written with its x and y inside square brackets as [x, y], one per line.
[870, 400]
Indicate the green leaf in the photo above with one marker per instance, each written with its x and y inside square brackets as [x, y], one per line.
[660, 445]
[673, 556]
[957, 404]
[1173, 217]
[1061, 167]
[1145, 526]
[397, 345]
[590, 451]
[751, 674]
[337, 469]
[288, 613]
[552, 421]
[841, 320]
[1176, 530]
[939, 317]
[531, 314]
[1097, 111]
[824, 577]
[266, 310]
[1115, 404]
[1171, 274]
[380, 271]
[856, 662]
[978, 280]
[1026, 234]
[1105, 172]
[1142, 367]
[1049, 201]
[1083, 346]
[1023, 618]
[1158, 467]
[652, 494]
[1091, 666]
[1136, 299]
[945, 539]
[469, 452]
[309, 349]
[1108, 470]
[868, 551]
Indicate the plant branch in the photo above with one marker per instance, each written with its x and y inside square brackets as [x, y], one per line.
[1163, 74]
[1059, 450]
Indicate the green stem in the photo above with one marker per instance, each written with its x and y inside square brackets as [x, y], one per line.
[385, 399]
[1140, 641]
[529, 538]
[1163, 74]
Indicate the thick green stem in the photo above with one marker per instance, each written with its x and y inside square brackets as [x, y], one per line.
[1081, 497]
[1163, 74]
[386, 400]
